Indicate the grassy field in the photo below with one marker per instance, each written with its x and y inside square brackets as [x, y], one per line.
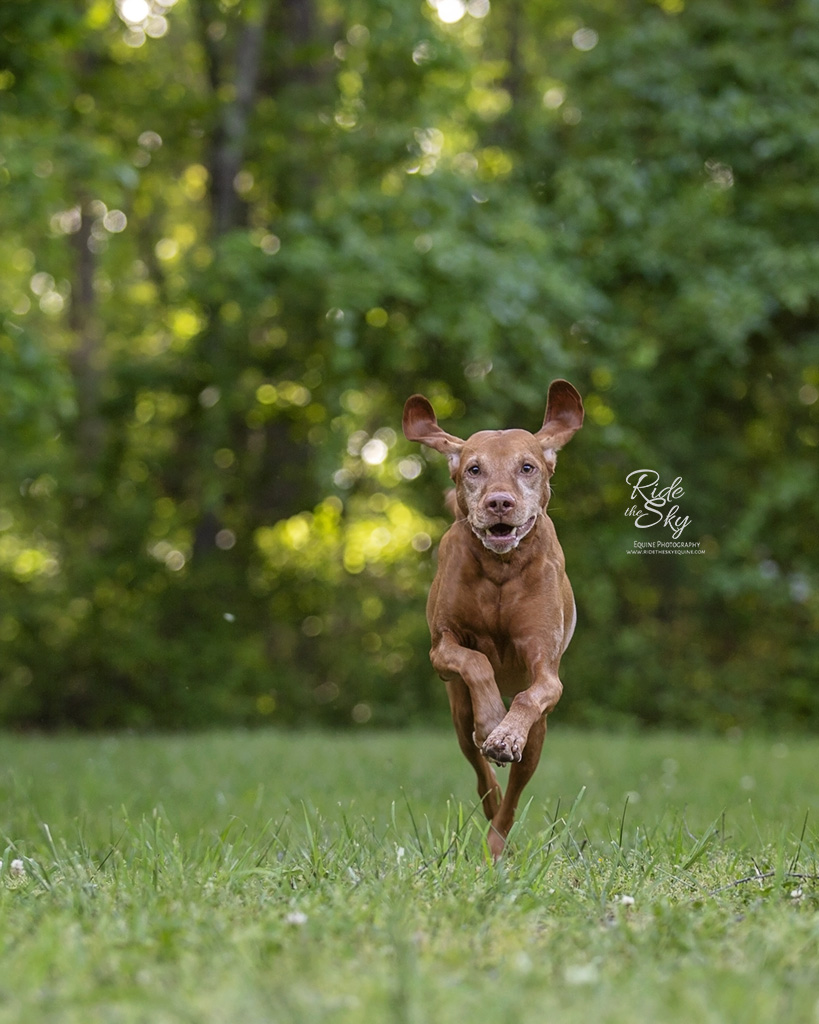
[303, 877]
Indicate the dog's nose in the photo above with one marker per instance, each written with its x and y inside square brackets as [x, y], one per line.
[499, 502]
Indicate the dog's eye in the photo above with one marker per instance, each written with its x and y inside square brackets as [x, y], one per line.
[527, 467]
[474, 469]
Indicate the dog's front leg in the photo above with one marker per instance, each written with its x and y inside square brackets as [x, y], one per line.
[455, 663]
[507, 740]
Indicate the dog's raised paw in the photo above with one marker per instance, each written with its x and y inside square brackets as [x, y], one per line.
[502, 749]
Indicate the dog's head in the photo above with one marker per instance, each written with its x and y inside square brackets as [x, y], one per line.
[501, 476]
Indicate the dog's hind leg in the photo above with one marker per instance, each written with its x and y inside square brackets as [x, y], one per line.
[460, 704]
[519, 775]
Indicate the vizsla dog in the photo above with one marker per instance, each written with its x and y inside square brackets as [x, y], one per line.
[501, 610]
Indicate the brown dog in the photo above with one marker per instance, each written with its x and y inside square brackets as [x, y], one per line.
[501, 610]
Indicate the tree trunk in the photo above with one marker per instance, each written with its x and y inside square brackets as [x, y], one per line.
[229, 141]
[84, 359]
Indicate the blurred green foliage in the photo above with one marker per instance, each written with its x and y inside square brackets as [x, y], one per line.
[236, 235]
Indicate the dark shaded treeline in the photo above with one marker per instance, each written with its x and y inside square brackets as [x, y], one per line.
[237, 235]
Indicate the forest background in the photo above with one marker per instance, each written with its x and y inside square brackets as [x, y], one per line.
[237, 235]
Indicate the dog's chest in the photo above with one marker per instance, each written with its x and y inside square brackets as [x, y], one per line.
[491, 622]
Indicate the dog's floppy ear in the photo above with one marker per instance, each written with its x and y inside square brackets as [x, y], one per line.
[564, 417]
[420, 425]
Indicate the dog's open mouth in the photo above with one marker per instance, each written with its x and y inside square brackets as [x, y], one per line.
[501, 530]
[503, 537]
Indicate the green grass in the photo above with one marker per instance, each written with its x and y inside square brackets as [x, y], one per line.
[302, 877]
